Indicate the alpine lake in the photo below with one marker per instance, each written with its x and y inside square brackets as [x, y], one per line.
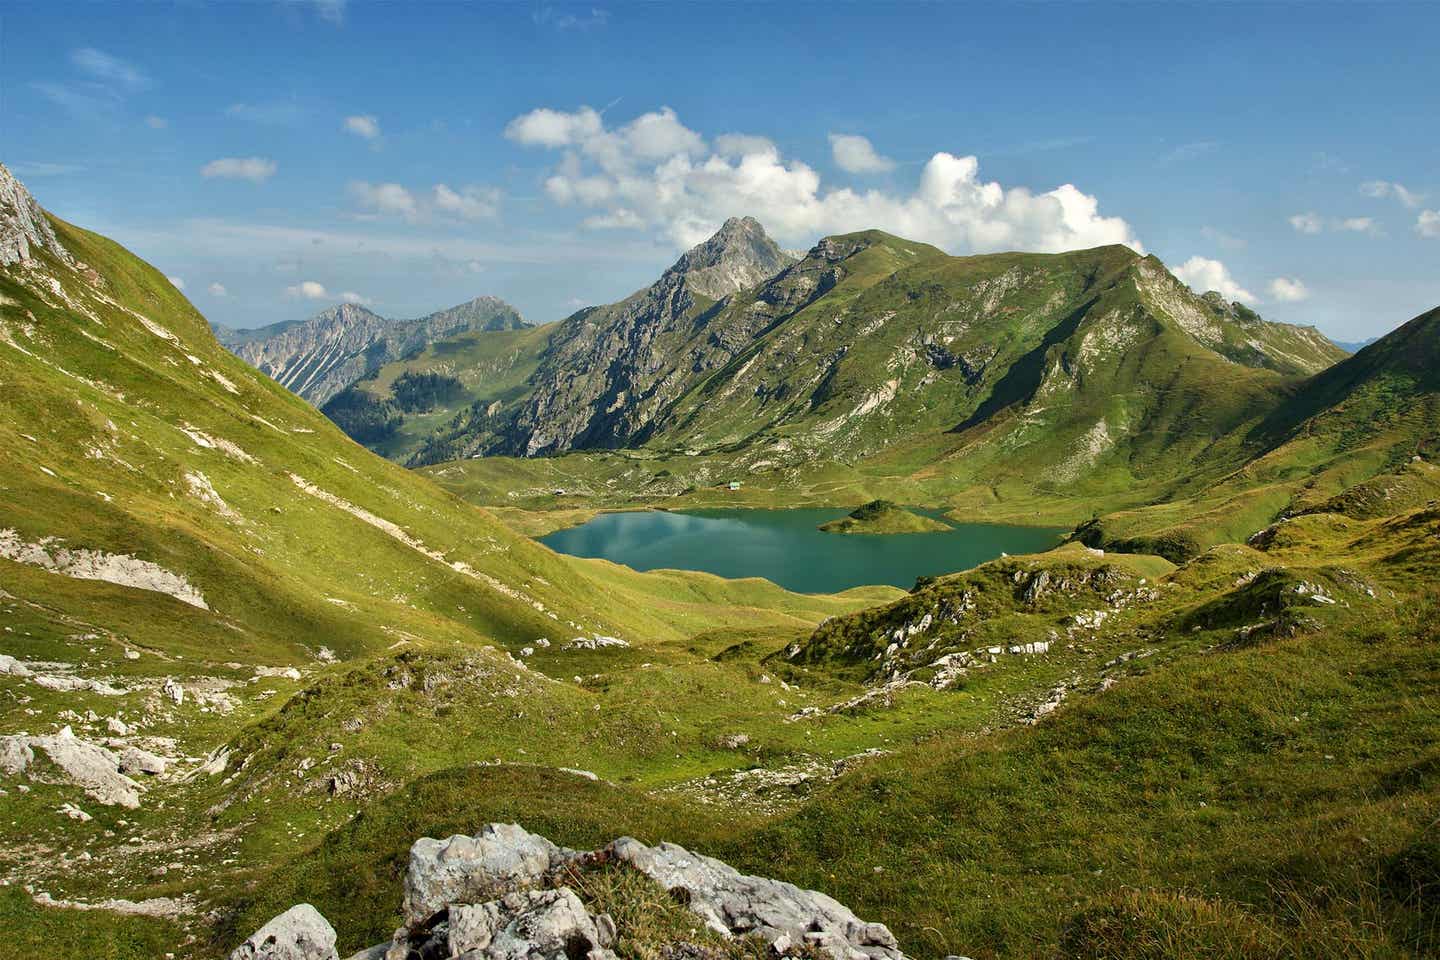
[787, 547]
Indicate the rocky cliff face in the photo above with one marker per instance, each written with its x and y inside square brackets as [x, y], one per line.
[24, 231]
[325, 354]
[609, 370]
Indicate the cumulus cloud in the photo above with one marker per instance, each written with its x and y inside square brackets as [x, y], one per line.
[855, 154]
[176, 282]
[110, 70]
[1381, 189]
[254, 169]
[468, 203]
[364, 126]
[1313, 223]
[1289, 290]
[217, 289]
[1357, 225]
[350, 296]
[740, 144]
[308, 290]
[1428, 223]
[393, 199]
[1203, 274]
[656, 174]
[385, 198]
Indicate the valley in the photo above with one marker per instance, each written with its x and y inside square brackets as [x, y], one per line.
[1180, 706]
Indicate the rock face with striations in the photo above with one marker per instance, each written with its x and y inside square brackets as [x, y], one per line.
[610, 369]
[24, 230]
[501, 895]
[319, 357]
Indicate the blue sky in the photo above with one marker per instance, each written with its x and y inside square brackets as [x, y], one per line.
[277, 156]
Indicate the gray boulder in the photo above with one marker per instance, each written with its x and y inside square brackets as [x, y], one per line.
[299, 933]
[135, 760]
[503, 857]
[780, 913]
[530, 925]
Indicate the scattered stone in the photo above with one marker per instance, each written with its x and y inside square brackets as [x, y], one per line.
[732, 903]
[299, 933]
[173, 690]
[135, 760]
[596, 642]
[86, 764]
[12, 667]
[75, 813]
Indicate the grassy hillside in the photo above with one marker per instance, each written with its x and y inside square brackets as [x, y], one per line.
[476, 370]
[1229, 768]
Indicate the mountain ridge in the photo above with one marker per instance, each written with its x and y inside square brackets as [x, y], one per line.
[320, 356]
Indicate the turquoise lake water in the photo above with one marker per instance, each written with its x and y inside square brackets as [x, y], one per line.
[785, 546]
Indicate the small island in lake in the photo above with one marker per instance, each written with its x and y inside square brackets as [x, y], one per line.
[882, 516]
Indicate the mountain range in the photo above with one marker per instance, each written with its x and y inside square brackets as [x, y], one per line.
[319, 357]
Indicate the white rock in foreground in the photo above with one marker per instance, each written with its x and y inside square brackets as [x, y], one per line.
[461, 869]
[299, 933]
[732, 903]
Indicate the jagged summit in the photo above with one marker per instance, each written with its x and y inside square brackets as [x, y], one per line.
[23, 226]
[739, 255]
[319, 357]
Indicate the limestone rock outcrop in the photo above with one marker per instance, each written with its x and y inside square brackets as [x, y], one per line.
[507, 894]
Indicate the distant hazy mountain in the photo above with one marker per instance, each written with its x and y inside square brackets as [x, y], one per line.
[1355, 346]
[319, 357]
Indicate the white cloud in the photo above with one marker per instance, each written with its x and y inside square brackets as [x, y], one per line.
[385, 198]
[1313, 223]
[1288, 290]
[176, 282]
[156, 123]
[1380, 189]
[308, 289]
[649, 137]
[554, 128]
[469, 203]
[350, 296]
[654, 173]
[1428, 223]
[740, 144]
[109, 69]
[1203, 275]
[1357, 225]
[363, 125]
[549, 16]
[855, 154]
[217, 289]
[392, 199]
[254, 169]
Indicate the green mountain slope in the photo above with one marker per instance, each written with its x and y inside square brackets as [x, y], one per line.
[412, 409]
[1355, 438]
[1006, 371]
[318, 357]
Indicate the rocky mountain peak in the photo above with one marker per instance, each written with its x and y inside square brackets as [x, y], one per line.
[739, 255]
[24, 230]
